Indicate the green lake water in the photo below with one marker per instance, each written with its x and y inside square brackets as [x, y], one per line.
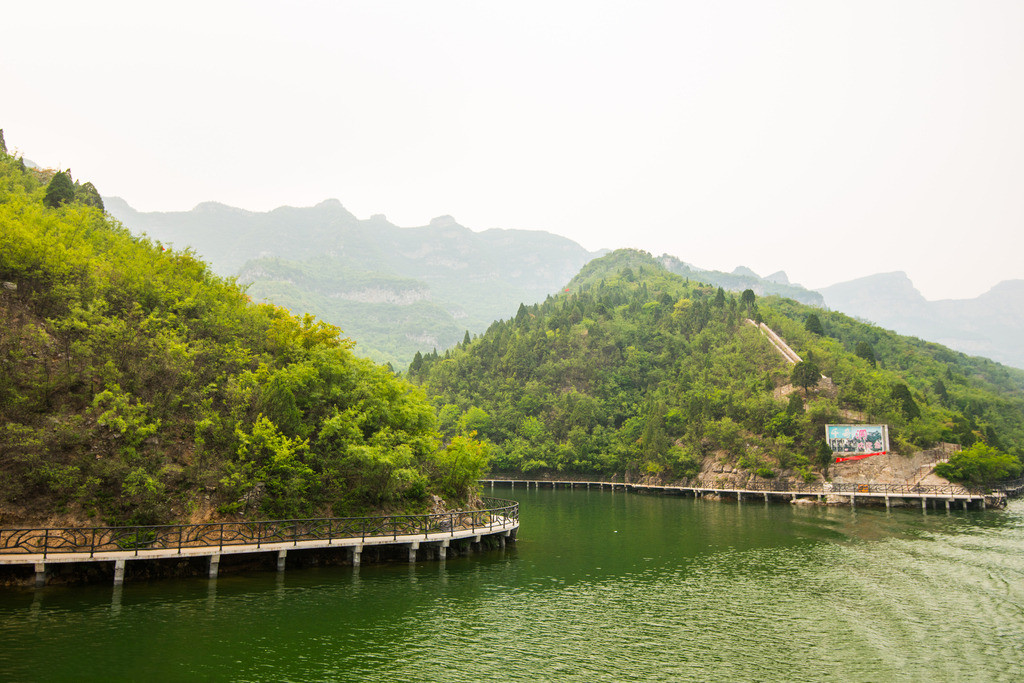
[600, 586]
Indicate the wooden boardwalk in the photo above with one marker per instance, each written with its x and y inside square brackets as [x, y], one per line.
[888, 495]
[120, 545]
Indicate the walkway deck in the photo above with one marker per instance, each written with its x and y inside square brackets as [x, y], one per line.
[880, 494]
[42, 547]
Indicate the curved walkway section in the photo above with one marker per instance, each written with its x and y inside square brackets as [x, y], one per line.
[40, 547]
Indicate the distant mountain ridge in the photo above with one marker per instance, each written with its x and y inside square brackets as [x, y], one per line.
[744, 278]
[394, 290]
[990, 325]
[400, 290]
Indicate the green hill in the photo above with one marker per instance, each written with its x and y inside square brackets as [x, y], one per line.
[137, 386]
[642, 372]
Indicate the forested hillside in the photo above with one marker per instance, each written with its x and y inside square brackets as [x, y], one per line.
[638, 371]
[137, 386]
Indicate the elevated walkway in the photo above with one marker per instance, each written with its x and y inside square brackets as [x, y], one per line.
[41, 547]
[878, 494]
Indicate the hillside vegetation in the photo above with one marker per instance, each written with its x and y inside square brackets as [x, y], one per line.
[641, 372]
[137, 386]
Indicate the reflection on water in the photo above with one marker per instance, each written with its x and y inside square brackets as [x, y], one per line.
[600, 586]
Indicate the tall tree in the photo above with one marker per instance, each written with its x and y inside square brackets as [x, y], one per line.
[805, 374]
[60, 190]
[864, 350]
[813, 325]
[87, 194]
[901, 394]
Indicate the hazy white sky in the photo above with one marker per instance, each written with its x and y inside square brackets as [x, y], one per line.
[829, 139]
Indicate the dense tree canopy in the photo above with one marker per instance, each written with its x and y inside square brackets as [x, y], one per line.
[139, 387]
[638, 371]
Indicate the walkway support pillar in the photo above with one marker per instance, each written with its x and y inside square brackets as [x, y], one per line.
[413, 547]
[118, 572]
[887, 502]
[41, 574]
[924, 503]
[281, 556]
[214, 565]
[357, 551]
[442, 551]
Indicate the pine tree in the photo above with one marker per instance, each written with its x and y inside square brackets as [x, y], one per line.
[864, 350]
[813, 325]
[60, 190]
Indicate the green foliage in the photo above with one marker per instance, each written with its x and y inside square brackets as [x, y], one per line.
[88, 195]
[462, 464]
[902, 396]
[139, 387]
[60, 190]
[638, 372]
[864, 350]
[980, 464]
[805, 374]
[813, 324]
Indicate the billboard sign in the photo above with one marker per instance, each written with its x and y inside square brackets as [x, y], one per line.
[857, 440]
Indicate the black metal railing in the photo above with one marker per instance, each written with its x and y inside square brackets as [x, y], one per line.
[814, 488]
[1011, 489]
[833, 487]
[496, 514]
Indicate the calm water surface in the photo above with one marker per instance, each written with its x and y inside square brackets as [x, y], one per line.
[601, 586]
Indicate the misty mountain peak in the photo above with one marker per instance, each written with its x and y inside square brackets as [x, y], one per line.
[444, 222]
[743, 271]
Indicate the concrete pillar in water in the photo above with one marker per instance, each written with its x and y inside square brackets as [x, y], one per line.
[766, 496]
[357, 551]
[924, 503]
[118, 572]
[947, 505]
[501, 539]
[214, 566]
[442, 551]
[474, 543]
[413, 547]
[965, 503]
[739, 496]
[887, 502]
[41, 574]
[281, 555]
[853, 500]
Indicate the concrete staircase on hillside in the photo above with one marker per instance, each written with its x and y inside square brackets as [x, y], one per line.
[782, 347]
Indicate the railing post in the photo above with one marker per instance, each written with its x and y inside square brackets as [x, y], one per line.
[181, 532]
[221, 546]
[46, 543]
